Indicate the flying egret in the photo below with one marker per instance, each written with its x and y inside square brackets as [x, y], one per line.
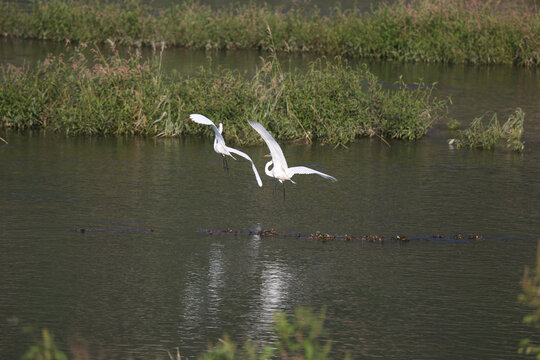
[280, 170]
[221, 148]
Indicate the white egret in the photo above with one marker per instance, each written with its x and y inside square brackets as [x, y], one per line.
[221, 148]
[280, 170]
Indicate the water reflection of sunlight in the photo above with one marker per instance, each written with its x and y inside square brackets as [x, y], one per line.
[202, 295]
[193, 308]
[206, 288]
[255, 242]
[251, 263]
[274, 291]
[215, 278]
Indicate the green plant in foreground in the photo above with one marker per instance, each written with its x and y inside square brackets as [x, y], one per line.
[228, 350]
[299, 337]
[531, 298]
[487, 136]
[43, 348]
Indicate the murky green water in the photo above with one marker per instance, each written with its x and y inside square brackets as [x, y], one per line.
[118, 294]
[137, 294]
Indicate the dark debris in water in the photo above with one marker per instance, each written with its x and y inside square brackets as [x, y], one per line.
[91, 229]
[325, 237]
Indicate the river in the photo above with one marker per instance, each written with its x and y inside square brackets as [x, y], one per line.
[120, 290]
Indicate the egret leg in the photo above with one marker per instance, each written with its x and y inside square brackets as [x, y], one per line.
[284, 191]
[275, 187]
[225, 163]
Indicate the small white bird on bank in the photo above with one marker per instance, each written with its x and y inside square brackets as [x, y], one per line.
[221, 148]
[280, 170]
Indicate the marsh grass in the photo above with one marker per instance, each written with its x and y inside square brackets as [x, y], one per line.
[449, 31]
[486, 134]
[329, 103]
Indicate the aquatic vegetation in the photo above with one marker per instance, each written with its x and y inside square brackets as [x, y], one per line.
[479, 32]
[109, 94]
[487, 136]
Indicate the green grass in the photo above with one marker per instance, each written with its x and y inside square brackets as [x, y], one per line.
[448, 31]
[43, 348]
[329, 103]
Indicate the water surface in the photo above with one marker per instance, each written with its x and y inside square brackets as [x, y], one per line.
[118, 294]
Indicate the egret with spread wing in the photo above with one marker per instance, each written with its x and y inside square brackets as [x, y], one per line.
[221, 148]
[280, 170]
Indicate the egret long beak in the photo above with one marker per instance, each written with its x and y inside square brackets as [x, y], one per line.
[267, 155]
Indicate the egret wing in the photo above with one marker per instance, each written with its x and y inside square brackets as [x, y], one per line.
[246, 156]
[305, 170]
[275, 149]
[201, 119]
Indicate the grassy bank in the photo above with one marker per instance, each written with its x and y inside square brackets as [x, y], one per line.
[449, 31]
[330, 103]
